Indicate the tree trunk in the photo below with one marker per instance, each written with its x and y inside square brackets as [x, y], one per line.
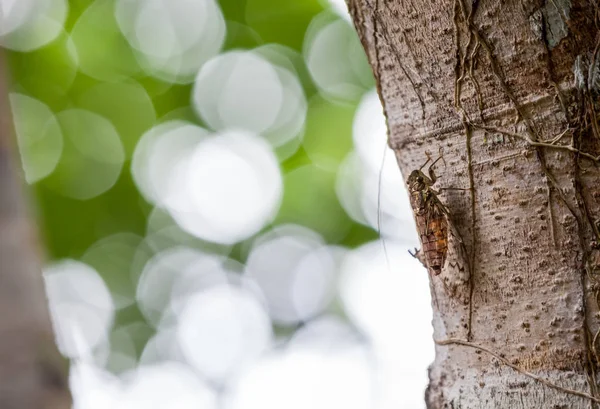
[507, 92]
[32, 372]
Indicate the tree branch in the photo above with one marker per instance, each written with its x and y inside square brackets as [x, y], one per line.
[32, 372]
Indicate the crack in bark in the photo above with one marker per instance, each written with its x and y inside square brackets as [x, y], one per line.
[460, 72]
[473, 235]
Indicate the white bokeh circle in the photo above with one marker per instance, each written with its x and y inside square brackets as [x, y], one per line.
[244, 90]
[336, 59]
[173, 38]
[93, 387]
[227, 189]
[29, 24]
[369, 132]
[222, 188]
[339, 7]
[157, 154]
[296, 272]
[81, 307]
[177, 267]
[348, 187]
[163, 385]
[222, 330]
[375, 284]
[335, 375]
[14, 14]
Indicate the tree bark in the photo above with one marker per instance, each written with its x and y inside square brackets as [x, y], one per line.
[32, 372]
[507, 93]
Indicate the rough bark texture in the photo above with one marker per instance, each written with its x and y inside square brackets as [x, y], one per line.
[32, 373]
[508, 92]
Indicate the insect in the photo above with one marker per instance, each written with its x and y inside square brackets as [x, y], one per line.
[431, 217]
[443, 251]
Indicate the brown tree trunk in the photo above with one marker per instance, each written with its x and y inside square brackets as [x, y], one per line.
[507, 91]
[32, 373]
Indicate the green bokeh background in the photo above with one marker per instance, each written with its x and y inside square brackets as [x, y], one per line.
[133, 102]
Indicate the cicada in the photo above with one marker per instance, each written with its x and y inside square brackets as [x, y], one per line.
[439, 238]
[431, 217]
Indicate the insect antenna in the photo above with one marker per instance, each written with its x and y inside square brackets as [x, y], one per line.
[381, 237]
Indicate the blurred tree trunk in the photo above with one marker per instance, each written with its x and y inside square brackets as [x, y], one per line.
[508, 92]
[32, 373]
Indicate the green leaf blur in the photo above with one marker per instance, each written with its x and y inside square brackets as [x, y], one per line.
[91, 68]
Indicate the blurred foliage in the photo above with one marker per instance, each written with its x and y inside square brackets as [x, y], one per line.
[91, 66]
[50, 75]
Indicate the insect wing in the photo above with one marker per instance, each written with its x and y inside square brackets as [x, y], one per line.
[432, 225]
